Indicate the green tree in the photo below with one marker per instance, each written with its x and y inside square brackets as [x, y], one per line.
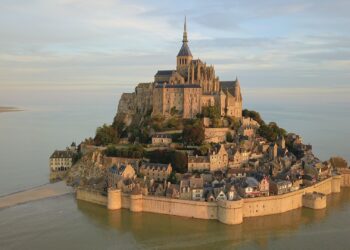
[105, 135]
[254, 115]
[193, 133]
[229, 137]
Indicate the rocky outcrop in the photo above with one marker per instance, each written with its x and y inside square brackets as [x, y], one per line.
[133, 106]
[89, 171]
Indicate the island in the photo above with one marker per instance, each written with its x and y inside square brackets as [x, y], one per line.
[183, 145]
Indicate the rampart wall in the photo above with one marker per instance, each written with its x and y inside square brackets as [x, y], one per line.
[228, 212]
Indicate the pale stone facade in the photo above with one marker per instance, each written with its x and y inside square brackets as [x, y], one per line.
[214, 161]
[194, 85]
[161, 140]
[187, 89]
[62, 160]
[156, 171]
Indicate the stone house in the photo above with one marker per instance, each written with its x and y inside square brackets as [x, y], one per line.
[280, 187]
[218, 160]
[156, 171]
[173, 191]
[249, 187]
[221, 196]
[198, 163]
[185, 190]
[61, 160]
[122, 172]
[161, 139]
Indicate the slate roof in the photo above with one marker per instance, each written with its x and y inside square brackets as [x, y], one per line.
[157, 166]
[62, 154]
[227, 84]
[165, 72]
[178, 86]
[185, 50]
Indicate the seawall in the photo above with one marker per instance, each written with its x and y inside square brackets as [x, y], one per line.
[228, 212]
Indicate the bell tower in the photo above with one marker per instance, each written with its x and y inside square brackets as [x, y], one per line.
[184, 57]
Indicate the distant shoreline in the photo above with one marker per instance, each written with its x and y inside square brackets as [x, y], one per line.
[9, 109]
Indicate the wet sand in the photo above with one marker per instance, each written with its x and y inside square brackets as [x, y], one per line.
[41, 192]
[9, 109]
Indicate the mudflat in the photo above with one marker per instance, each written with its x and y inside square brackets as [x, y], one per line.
[37, 193]
[9, 109]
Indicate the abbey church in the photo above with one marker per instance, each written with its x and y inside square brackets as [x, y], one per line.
[184, 90]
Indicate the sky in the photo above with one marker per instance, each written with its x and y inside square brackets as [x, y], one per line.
[92, 42]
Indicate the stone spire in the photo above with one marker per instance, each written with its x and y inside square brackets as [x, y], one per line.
[184, 39]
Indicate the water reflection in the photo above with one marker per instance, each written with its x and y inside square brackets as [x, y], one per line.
[154, 230]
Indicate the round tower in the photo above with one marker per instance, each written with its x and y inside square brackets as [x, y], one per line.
[114, 200]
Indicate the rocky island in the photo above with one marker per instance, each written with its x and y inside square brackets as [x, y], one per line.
[183, 145]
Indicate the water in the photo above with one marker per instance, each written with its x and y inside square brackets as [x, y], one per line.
[55, 116]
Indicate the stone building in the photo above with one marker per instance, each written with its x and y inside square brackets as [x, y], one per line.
[161, 139]
[186, 89]
[156, 171]
[61, 160]
[216, 160]
[194, 85]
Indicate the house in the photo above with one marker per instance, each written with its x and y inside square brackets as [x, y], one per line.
[156, 171]
[61, 160]
[216, 160]
[231, 193]
[264, 186]
[196, 185]
[161, 139]
[185, 191]
[249, 187]
[197, 194]
[280, 187]
[221, 196]
[210, 197]
[173, 191]
[198, 163]
[122, 172]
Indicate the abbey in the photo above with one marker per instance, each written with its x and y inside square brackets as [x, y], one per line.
[183, 91]
[194, 85]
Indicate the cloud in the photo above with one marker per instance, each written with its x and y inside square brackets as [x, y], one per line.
[109, 41]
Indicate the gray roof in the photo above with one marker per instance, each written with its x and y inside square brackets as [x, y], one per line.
[62, 154]
[227, 84]
[185, 50]
[159, 166]
[165, 72]
[178, 86]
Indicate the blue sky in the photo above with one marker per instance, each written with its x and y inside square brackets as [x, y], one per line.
[92, 42]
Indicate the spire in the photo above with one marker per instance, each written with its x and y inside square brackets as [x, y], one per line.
[184, 40]
[185, 50]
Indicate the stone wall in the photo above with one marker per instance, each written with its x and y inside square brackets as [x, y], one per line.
[228, 212]
[91, 196]
[215, 135]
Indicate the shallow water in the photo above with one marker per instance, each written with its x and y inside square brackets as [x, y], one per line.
[56, 116]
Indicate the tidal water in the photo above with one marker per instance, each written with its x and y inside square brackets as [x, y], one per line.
[55, 116]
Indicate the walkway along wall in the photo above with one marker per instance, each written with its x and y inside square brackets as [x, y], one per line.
[228, 212]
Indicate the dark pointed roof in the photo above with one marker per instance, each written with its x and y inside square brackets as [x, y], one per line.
[185, 50]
